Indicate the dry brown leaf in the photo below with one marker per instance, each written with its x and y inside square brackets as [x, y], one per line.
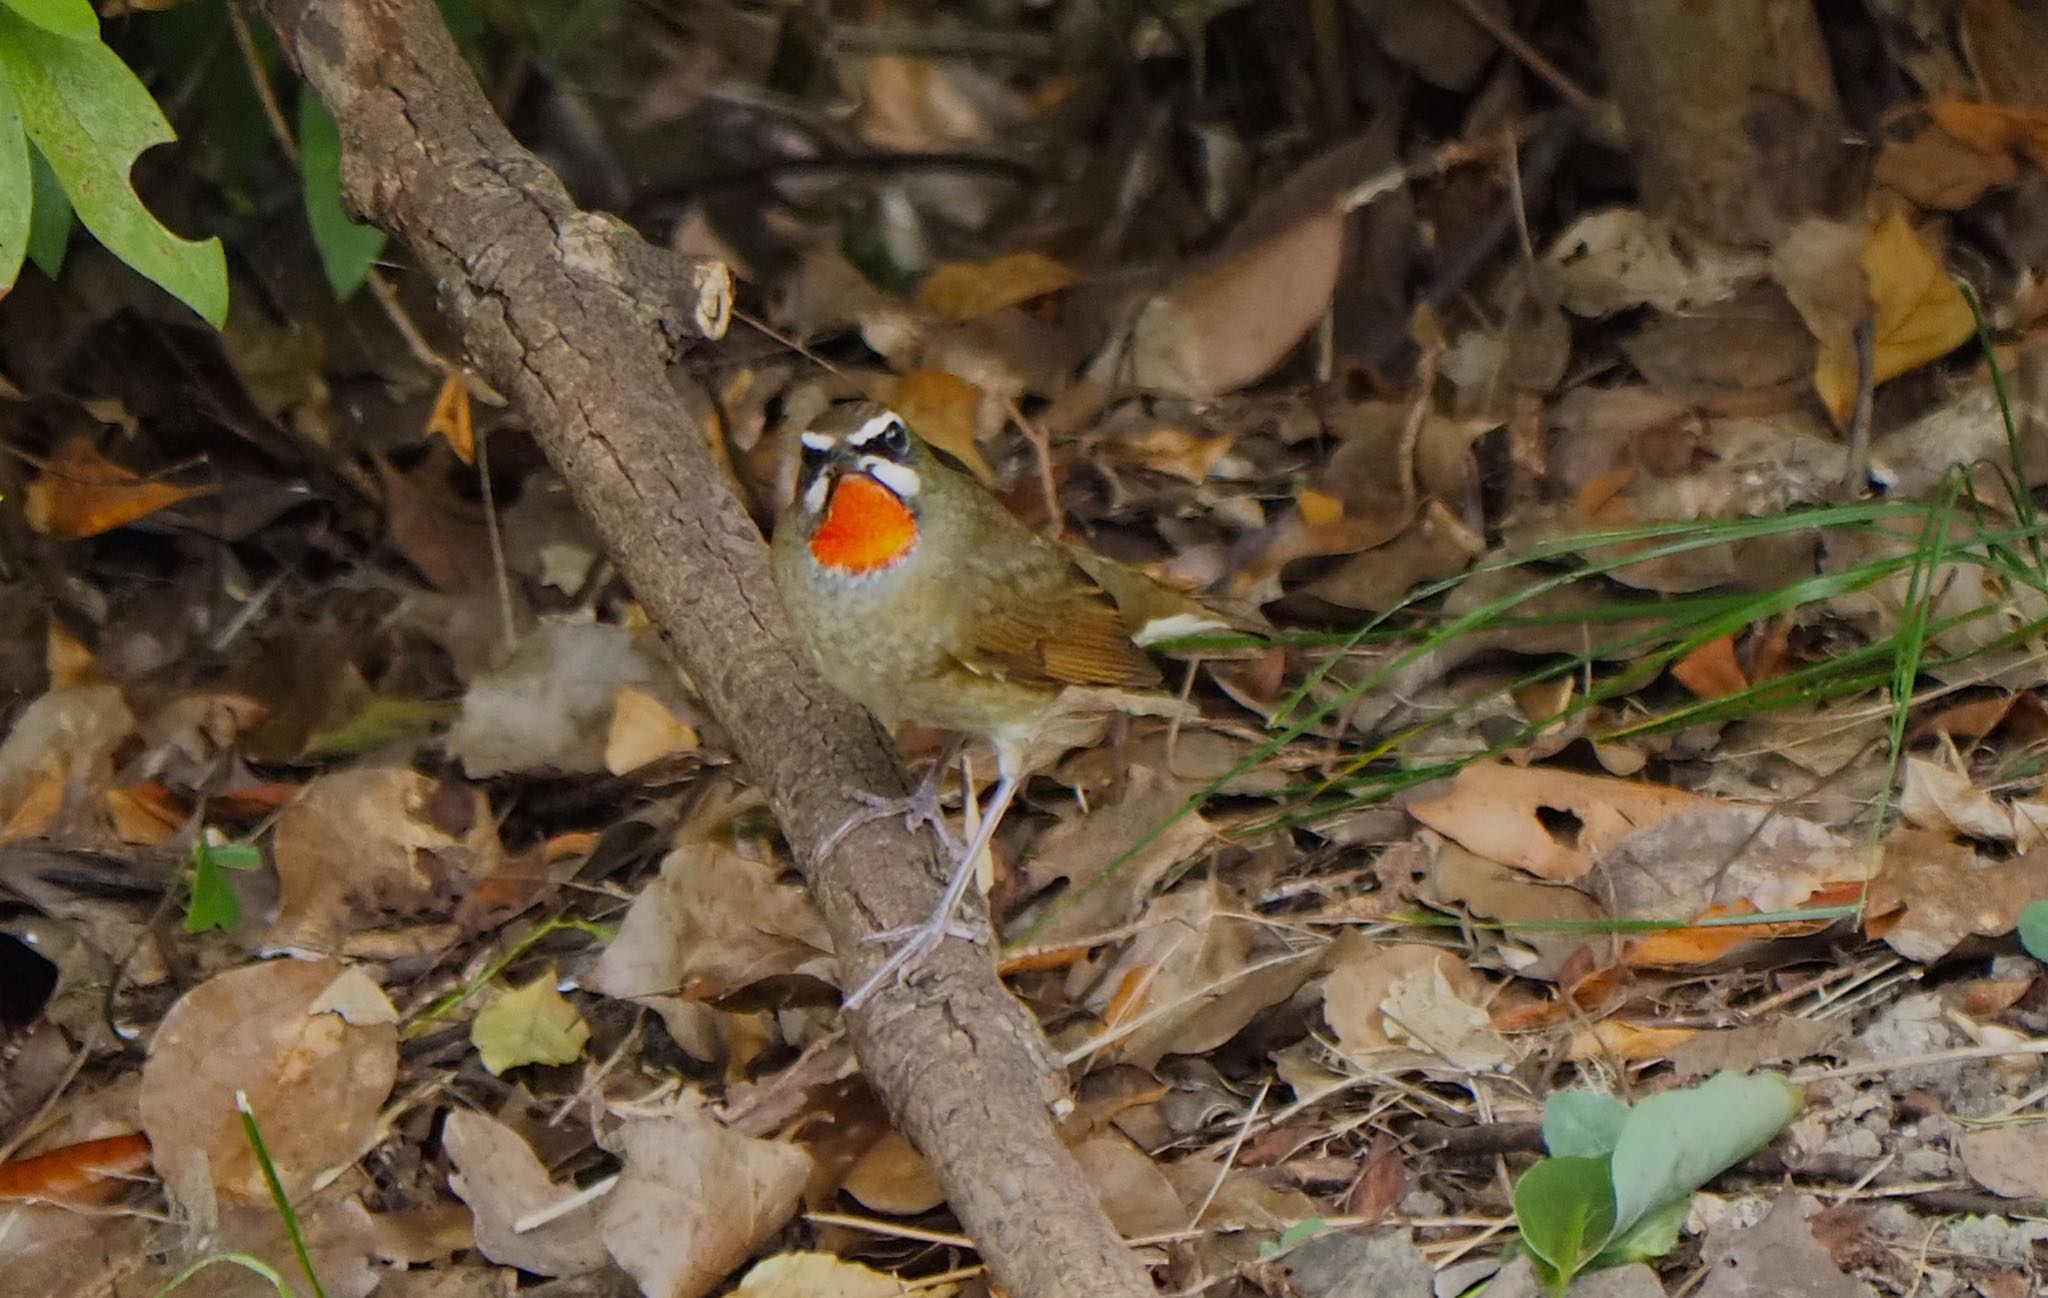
[1172, 450]
[1549, 822]
[966, 290]
[1763, 1045]
[1936, 797]
[1227, 323]
[502, 1180]
[1711, 671]
[1138, 1197]
[65, 740]
[82, 493]
[314, 1081]
[695, 1199]
[1456, 878]
[1408, 1006]
[1733, 855]
[372, 843]
[892, 1177]
[1932, 893]
[1623, 257]
[822, 1275]
[2008, 1160]
[440, 533]
[1079, 848]
[1240, 1199]
[1778, 1255]
[1190, 980]
[714, 921]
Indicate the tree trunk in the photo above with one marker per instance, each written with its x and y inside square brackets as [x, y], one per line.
[1731, 112]
[577, 320]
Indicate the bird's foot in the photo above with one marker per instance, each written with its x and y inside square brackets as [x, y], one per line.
[920, 808]
[913, 945]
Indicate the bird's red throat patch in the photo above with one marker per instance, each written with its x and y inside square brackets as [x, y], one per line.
[865, 527]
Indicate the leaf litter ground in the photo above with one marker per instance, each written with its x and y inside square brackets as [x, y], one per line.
[1603, 734]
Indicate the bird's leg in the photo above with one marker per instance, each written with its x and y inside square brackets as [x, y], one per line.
[920, 940]
[920, 808]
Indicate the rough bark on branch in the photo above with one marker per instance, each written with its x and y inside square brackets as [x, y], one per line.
[577, 320]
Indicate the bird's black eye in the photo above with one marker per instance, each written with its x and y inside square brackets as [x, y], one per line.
[895, 440]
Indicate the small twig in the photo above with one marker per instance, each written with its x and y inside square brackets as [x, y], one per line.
[1244, 1129]
[1041, 446]
[507, 623]
[565, 1205]
[1856, 473]
[1964, 1054]
[891, 1229]
[1549, 73]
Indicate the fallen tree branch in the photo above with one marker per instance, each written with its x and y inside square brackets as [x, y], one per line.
[577, 321]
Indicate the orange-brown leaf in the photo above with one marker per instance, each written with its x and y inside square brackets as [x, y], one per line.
[82, 493]
[1711, 671]
[89, 1172]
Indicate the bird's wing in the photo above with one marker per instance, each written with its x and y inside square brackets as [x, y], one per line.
[1063, 631]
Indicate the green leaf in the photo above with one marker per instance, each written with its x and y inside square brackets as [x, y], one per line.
[235, 856]
[49, 222]
[533, 1024]
[17, 187]
[74, 20]
[2034, 929]
[1582, 1124]
[1652, 1237]
[381, 721]
[347, 250]
[1674, 1143]
[214, 903]
[91, 118]
[1565, 1209]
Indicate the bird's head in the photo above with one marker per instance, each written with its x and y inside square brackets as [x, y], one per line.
[857, 494]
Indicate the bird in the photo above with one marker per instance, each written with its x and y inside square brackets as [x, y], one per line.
[921, 597]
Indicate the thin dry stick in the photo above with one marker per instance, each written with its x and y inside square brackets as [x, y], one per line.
[1244, 1129]
[1041, 446]
[1963, 1054]
[507, 623]
[1567, 89]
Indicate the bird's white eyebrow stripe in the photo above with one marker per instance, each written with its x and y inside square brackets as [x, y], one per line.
[819, 441]
[873, 428]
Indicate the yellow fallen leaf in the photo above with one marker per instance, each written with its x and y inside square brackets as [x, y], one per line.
[643, 730]
[968, 290]
[1917, 314]
[533, 1024]
[452, 418]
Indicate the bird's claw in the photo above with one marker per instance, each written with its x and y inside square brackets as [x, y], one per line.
[919, 809]
[916, 942]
